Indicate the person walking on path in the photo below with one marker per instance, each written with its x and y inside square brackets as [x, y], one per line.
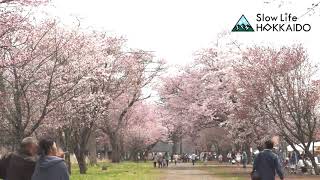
[175, 157]
[155, 160]
[193, 158]
[160, 160]
[167, 157]
[229, 157]
[266, 164]
[244, 159]
[20, 165]
[220, 157]
[50, 166]
[238, 158]
[205, 158]
[233, 157]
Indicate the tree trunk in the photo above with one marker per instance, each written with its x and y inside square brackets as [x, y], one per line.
[106, 150]
[175, 147]
[181, 146]
[116, 150]
[92, 146]
[246, 148]
[65, 139]
[81, 158]
[68, 162]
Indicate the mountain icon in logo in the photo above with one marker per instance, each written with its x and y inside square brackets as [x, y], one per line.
[242, 25]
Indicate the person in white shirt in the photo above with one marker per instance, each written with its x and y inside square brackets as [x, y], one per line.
[193, 158]
[175, 158]
[238, 158]
[229, 157]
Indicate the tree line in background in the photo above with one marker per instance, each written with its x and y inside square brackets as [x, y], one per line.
[254, 94]
[82, 86]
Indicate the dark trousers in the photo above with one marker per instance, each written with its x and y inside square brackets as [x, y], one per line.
[155, 164]
[193, 161]
[167, 161]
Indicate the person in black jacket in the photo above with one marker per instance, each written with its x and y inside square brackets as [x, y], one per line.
[20, 165]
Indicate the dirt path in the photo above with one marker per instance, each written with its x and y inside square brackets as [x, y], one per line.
[185, 171]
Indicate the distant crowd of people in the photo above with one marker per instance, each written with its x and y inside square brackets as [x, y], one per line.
[266, 163]
[162, 160]
[297, 162]
[236, 158]
[34, 161]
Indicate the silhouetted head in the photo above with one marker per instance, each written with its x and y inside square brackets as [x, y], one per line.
[269, 144]
[48, 147]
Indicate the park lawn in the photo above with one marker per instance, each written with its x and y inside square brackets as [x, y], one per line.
[120, 171]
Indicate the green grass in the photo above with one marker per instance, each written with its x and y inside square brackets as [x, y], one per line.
[120, 171]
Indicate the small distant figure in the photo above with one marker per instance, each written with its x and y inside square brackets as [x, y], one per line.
[238, 158]
[166, 158]
[160, 160]
[233, 157]
[193, 158]
[175, 158]
[220, 157]
[205, 158]
[244, 159]
[229, 157]
[267, 164]
[301, 165]
[155, 160]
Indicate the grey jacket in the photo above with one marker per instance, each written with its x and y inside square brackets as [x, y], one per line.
[50, 168]
[267, 164]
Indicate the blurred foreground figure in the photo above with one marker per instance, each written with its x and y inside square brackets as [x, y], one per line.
[266, 164]
[50, 165]
[20, 165]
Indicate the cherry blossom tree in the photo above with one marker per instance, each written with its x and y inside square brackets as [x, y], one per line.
[213, 137]
[200, 96]
[143, 131]
[78, 118]
[279, 86]
[129, 74]
[40, 70]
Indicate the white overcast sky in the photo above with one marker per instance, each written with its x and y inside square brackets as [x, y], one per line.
[175, 29]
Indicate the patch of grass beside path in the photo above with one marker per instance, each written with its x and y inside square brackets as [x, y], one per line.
[120, 171]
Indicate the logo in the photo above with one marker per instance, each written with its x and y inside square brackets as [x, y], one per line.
[284, 22]
[242, 25]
